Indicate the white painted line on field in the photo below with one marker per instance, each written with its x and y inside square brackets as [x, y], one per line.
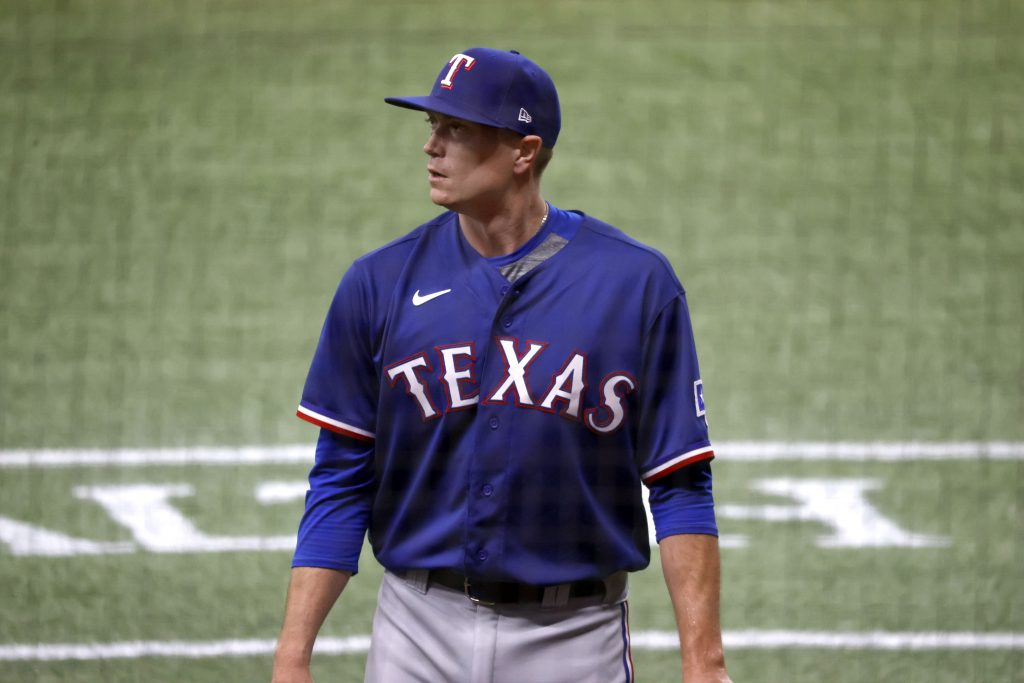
[138, 457]
[641, 640]
[728, 451]
[137, 649]
[867, 640]
[270, 492]
[875, 451]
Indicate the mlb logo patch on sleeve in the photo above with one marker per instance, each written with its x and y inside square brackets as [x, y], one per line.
[698, 397]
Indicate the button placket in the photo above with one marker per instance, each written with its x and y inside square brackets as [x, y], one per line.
[486, 506]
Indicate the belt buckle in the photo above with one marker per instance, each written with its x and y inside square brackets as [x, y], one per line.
[466, 588]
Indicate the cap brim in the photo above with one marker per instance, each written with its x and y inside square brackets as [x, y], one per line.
[442, 106]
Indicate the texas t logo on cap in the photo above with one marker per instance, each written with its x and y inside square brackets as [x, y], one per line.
[493, 88]
[456, 62]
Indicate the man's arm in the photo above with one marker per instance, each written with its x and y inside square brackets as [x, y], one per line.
[691, 566]
[312, 591]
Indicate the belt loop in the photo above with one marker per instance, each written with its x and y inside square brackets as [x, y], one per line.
[418, 579]
[556, 596]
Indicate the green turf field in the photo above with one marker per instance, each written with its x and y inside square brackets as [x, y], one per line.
[840, 185]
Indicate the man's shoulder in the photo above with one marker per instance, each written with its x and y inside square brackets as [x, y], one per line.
[611, 242]
[395, 253]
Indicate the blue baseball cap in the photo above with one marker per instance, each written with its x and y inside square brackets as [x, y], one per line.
[495, 88]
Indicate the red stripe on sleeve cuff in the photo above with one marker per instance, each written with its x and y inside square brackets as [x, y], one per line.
[333, 427]
[685, 459]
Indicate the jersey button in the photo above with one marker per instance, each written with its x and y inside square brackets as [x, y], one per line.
[481, 555]
[487, 490]
[493, 422]
[504, 290]
[507, 322]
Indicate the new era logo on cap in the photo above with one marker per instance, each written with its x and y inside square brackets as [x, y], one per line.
[495, 88]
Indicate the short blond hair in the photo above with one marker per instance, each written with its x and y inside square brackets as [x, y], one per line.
[543, 159]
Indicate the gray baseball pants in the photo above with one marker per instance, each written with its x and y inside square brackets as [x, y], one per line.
[432, 634]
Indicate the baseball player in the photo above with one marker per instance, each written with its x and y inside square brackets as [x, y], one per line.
[492, 391]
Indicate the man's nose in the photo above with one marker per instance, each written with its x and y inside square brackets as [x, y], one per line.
[432, 146]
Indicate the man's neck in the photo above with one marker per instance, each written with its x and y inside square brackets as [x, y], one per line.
[503, 230]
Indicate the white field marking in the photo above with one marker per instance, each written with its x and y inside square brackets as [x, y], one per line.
[159, 527]
[843, 640]
[135, 649]
[870, 451]
[156, 525]
[270, 492]
[23, 539]
[641, 640]
[727, 451]
[841, 504]
[237, 455]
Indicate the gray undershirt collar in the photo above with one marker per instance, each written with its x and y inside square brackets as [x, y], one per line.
[551, 245]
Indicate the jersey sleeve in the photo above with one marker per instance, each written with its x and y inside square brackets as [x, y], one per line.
[338, 504]
[672, 430]
[682, 502]
[340, 393]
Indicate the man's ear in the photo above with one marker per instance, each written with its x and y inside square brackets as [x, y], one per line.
[526, 152]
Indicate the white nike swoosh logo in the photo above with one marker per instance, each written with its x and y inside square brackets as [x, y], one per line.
[418, 300]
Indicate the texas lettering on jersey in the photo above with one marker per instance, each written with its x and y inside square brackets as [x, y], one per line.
[564, 394]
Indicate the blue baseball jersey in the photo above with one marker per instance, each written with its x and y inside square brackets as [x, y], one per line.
[502, 428]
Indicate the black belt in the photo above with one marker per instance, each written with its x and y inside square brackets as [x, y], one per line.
[509, 592]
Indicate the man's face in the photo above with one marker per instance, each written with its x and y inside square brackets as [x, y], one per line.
[470, 166]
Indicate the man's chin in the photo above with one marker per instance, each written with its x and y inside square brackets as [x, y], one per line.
[440, 198]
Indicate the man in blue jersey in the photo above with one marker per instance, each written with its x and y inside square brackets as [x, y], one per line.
[493, 390]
